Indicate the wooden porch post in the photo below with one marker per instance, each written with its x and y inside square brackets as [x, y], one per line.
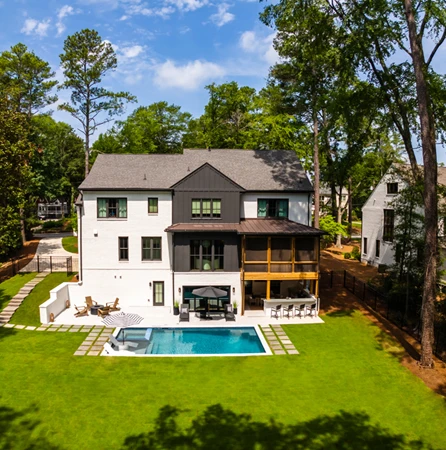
[268, 289]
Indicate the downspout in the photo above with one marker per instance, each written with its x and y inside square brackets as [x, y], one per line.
[309, 209]
[173, 259]
[81, 277]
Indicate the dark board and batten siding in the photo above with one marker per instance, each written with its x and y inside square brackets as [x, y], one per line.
[206, 183]
[181, 242]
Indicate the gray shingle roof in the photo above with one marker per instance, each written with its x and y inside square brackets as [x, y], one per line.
[254, 170]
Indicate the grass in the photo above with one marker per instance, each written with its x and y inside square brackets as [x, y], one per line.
[344, 390]
[11, 287]
[28, 312]
[69, 243]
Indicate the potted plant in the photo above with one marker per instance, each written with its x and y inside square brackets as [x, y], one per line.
[234, 305]
[176, 308]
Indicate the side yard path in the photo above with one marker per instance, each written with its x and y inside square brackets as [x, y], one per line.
[91, 346]
[15, 302]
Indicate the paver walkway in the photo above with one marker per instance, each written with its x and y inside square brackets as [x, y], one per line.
[278, 340]
[16, 301]
[91, 346]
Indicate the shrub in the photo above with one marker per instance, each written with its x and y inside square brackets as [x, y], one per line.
[332, 228]
[347, 255]
[356, 254]
[52, 224]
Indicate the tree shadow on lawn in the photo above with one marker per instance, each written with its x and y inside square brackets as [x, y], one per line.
[18, 431]
[7, 332]
[341, 313]
[218, 428]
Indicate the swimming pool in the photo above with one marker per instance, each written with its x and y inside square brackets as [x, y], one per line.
[194, 341]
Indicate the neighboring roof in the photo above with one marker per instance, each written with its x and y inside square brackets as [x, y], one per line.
[253, 170]
[249, 226]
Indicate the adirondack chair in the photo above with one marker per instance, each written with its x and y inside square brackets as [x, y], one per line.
[81, 311]
[90, 302]
[113, 305]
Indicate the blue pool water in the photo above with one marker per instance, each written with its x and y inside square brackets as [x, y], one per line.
[193, 341]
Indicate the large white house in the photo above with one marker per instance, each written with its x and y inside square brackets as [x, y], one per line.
[152, 228]
[379, 219]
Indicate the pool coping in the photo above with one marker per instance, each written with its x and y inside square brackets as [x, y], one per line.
[108, 351]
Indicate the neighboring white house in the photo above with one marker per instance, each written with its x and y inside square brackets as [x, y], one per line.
[378, 216]
[154, 227]
[325, 197]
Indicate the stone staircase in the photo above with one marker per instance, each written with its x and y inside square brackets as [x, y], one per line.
[16, 301]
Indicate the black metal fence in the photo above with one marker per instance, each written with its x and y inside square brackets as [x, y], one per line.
[402, 311]
[37, 264]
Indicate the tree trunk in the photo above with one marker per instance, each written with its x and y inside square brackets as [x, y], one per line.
[350, 206]
[316, 169]
[87, 151]
[339, 217]
[430, 190]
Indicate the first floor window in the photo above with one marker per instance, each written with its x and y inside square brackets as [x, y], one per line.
[158, 293]
[207, 254]
[377, 248]
[112, 208]
[272, 208]
[151, 249]
[364, 246]
[153, 206]
[389, 220]
[123, 248]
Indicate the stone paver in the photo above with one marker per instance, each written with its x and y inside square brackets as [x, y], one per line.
[30, 328]
[41, 329]
[9, 325]
[84, 347]
[94, 353]
[97, 347]
[293, 352]
[74, 330]
[20, 327]
[280, 352]
[80, 353]
[51, 329]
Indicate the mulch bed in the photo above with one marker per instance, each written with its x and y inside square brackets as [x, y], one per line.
[338, 300]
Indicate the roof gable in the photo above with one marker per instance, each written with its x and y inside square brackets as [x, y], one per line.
[207, 178]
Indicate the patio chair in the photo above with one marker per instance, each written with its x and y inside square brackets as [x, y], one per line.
[105, 311]
[81, 311]
[301, 310]
[116, 343]
[184, 312]
[90, 302]
[113, 305]
[288, 311]
[312, 310]
[229, 313]
[276, 311]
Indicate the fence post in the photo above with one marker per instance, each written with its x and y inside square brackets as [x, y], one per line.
[375, 300]
[38, 264]
[354, 282]
[331, 279]
[12, 267]
[51, 264]
[363, 292]
[345, 275]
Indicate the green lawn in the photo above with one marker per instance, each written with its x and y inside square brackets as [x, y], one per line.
[28, 313]
[345, 390]
[10, 287]
[69, 243]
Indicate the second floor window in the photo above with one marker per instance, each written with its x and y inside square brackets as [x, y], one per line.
[207, 254]
[389, 219]
[273, 208]
[392, 188]
[151, 249]
[123, 248]
[206, 208]
[377, 248]
[112, 208]
[153, 206]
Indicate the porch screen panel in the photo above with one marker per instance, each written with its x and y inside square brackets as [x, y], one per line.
[280, 249]
[305, 267]
[195, 255]
[206, 248]
[281, 267]
[256, 267]
[102, 207]
[305, 249]
[261, 208]
[256, 249]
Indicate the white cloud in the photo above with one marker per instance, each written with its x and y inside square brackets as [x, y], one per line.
[188, 5]
[189, 76]
[222, 16]
[32, 26]
[65, 11]
[131, 52]
[262, 46]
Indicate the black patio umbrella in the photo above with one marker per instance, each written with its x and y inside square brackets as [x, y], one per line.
[209, 292]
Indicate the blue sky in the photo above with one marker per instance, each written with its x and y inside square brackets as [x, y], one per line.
[167, 49]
